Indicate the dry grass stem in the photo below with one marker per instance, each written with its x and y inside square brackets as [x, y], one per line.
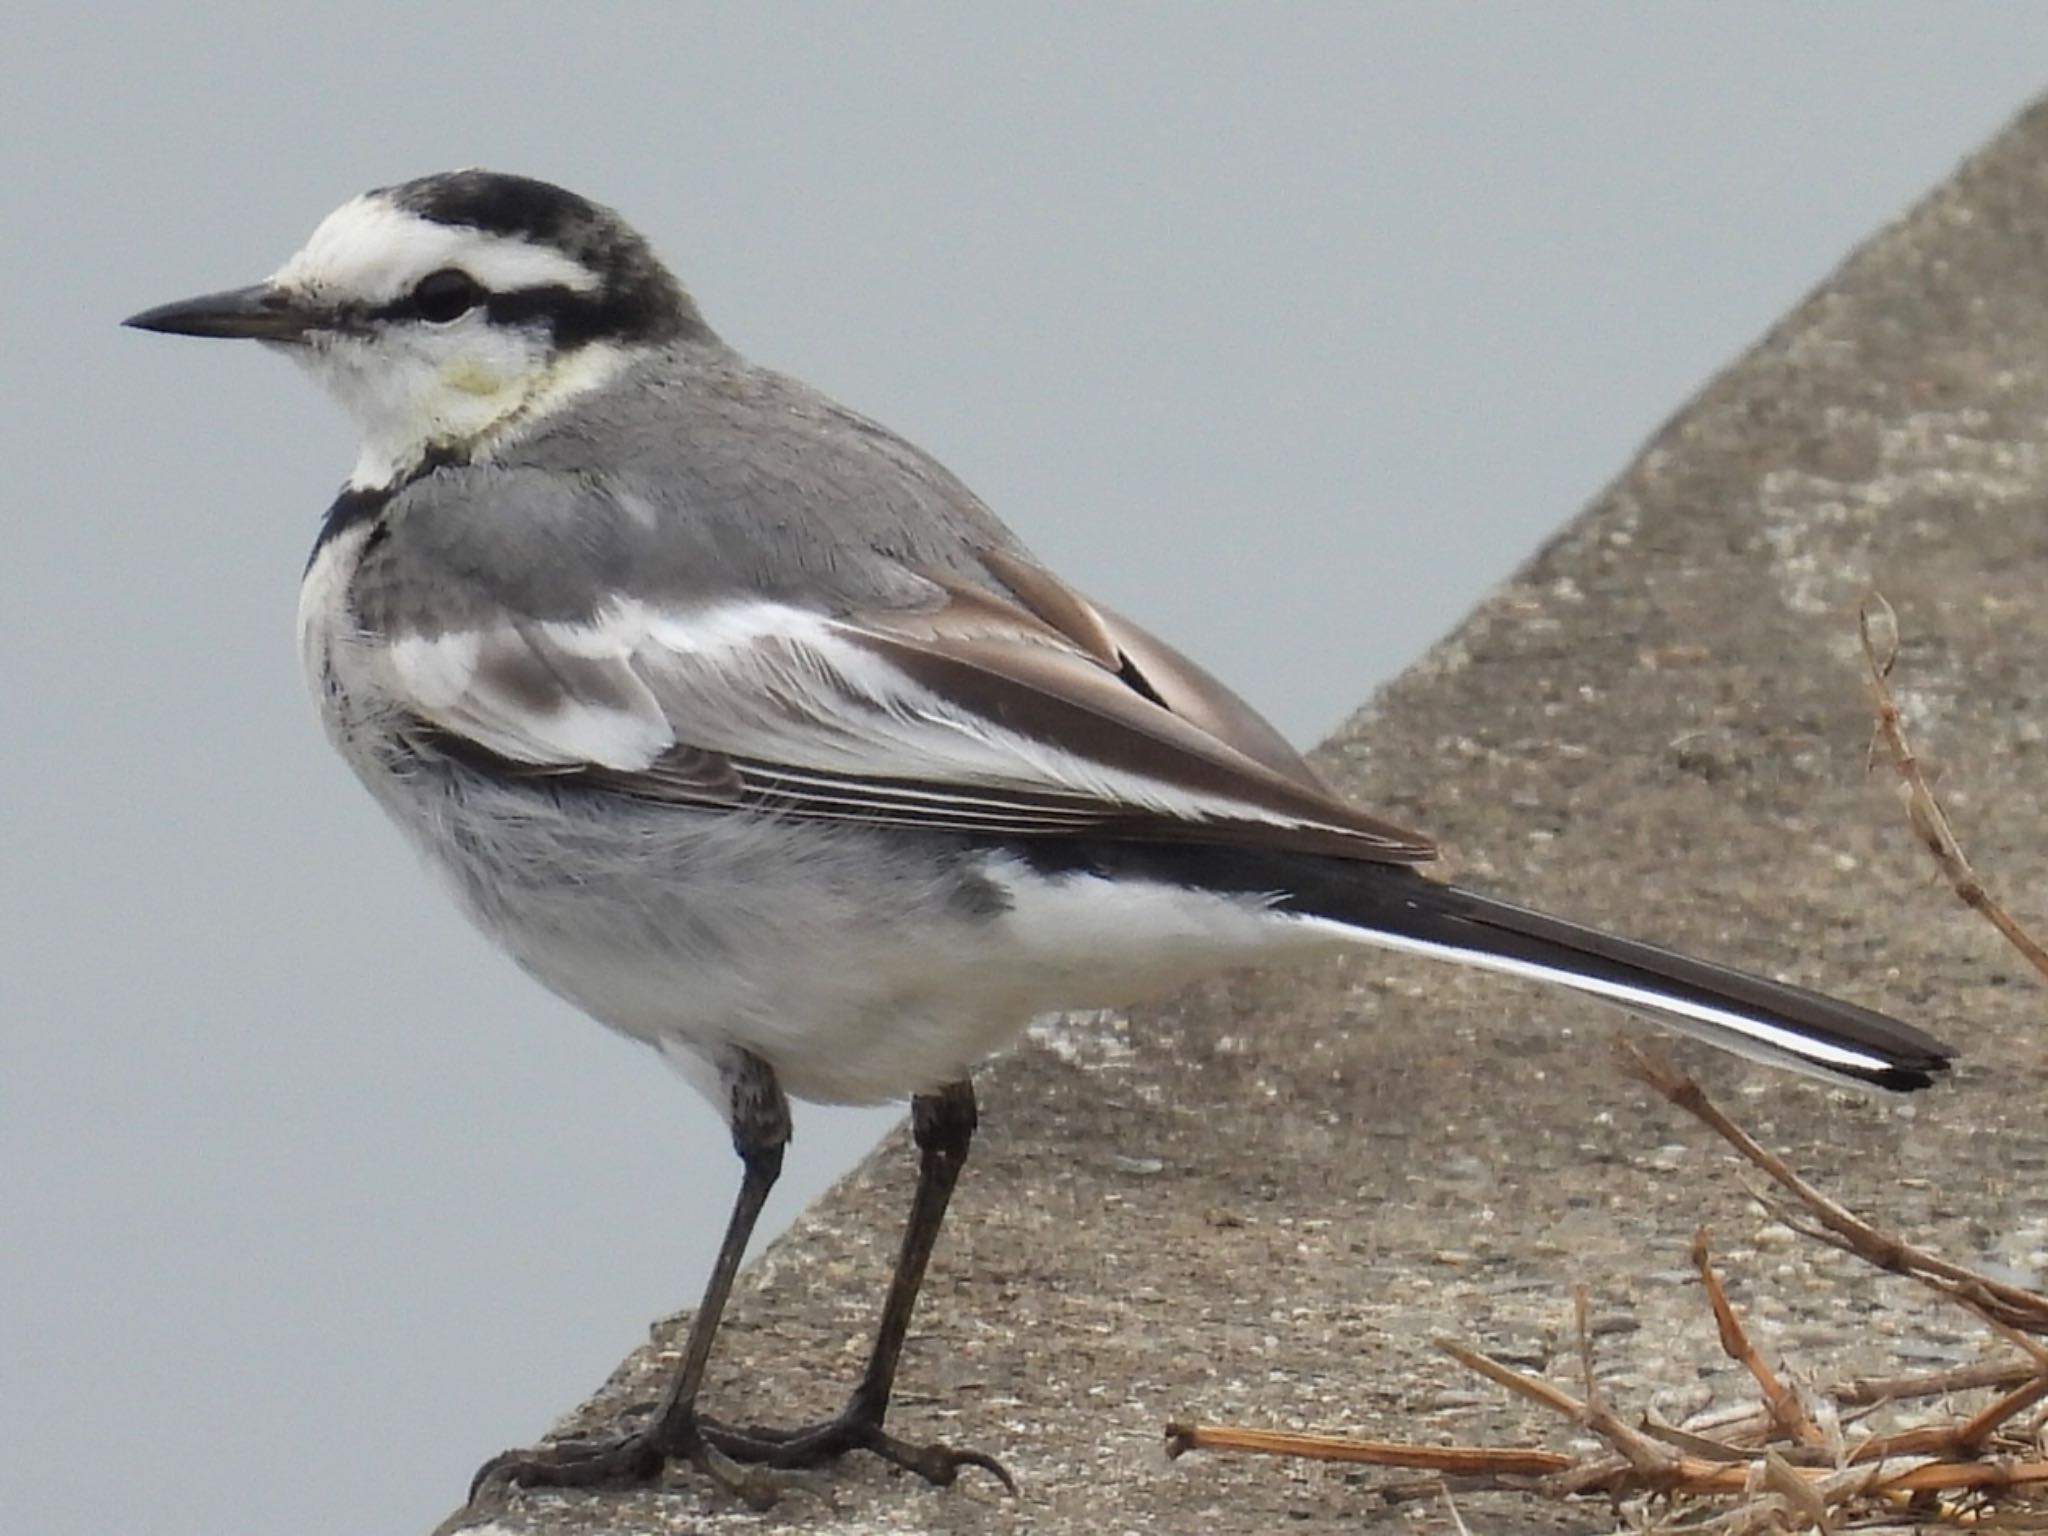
[1791, 1462]
[1780, 1401]
[1930, 822]
[2010, 1306]
[1451, 1460]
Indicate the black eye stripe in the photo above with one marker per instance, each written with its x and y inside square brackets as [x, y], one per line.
[524, 306]
[521, 306]
[572, 318]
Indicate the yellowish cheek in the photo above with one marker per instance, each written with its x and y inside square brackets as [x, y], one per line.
[472, 378]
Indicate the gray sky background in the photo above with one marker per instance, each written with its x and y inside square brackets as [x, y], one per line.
[1288, 330]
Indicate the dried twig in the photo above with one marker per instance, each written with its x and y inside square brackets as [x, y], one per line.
[1661, 1471]
[1965, 1439]
[1868, 1391]
[1789, 1462]
[1840, 1227]
[1930, 822]
[1780, 1401]
[1452, 1460]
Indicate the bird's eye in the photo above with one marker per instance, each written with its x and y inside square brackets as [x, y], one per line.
[446, 295]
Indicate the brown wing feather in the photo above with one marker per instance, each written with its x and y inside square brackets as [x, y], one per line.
[1152, 666]
[1144, 709]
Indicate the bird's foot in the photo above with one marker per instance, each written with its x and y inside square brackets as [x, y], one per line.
[624, 1461]
[857, 1428]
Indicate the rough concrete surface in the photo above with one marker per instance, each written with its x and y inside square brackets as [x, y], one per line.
[1258, 1203]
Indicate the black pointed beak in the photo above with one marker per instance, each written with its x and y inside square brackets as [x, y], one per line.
[259, 312]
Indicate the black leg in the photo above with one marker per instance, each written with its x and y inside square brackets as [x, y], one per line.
[760, 1132]
[942, 1124]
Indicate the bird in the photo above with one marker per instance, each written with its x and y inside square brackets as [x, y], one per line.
[743, 725]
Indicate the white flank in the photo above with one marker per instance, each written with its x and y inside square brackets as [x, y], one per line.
[449, 680]
[434, 673]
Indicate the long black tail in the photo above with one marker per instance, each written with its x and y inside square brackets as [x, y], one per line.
[1394, 906]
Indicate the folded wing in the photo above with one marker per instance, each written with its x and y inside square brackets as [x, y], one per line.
[1012, 708]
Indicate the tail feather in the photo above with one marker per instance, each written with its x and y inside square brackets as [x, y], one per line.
[1395, 907]
[1770, 1021]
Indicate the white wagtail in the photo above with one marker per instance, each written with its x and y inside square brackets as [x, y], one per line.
[749, 730]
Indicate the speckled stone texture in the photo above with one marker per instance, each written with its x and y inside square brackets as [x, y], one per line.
[1259, 1202]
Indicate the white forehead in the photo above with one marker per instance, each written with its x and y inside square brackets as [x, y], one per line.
[370, 249]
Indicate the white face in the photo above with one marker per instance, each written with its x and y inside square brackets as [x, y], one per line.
[410, 382]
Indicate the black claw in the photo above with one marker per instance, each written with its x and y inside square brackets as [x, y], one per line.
[634, 1458]
[629, 1461]
[937, 1463]
[988, 1464]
